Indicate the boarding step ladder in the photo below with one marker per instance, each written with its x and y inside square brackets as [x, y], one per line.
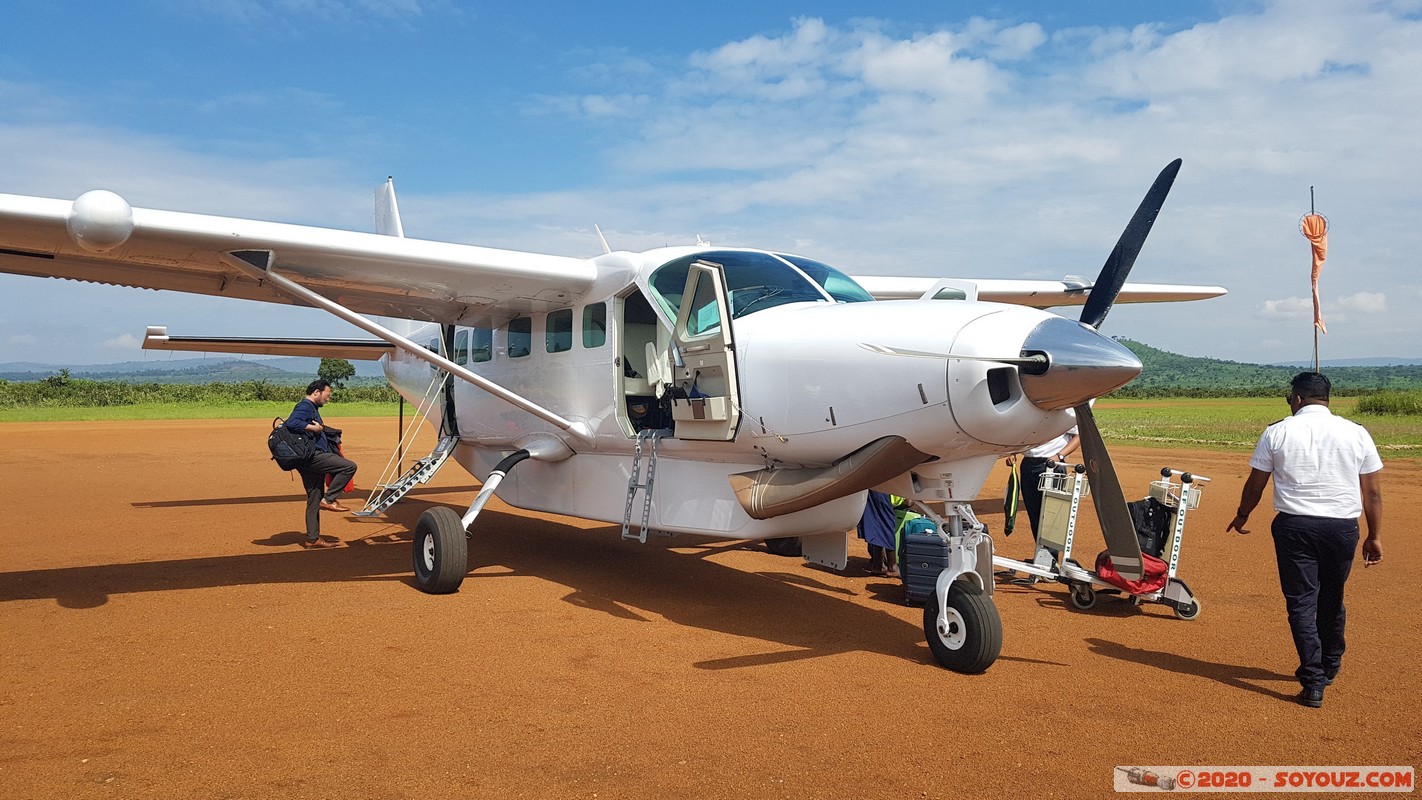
[634, 483]
[387, 494]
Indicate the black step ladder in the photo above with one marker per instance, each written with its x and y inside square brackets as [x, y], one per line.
[387, 494]
[634, 483]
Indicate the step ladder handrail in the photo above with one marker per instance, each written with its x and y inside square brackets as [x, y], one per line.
[419, 472]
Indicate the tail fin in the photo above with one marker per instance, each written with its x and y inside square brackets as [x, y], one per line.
[387, 211]
[387, 223]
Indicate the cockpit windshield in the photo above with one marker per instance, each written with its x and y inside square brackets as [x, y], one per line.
[839, 286]
[756, 281]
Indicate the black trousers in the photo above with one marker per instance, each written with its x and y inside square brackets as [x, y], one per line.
[1030, 486]
[1315, 555]
[313, 477]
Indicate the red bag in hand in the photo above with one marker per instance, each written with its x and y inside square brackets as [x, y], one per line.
[350, 487]
[1153, 579]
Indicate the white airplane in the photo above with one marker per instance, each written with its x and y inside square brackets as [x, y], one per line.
[714, 391]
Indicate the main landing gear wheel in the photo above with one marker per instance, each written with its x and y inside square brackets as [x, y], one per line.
[1083, 596]
[972, 638]
[1188, 612]
[441, 551]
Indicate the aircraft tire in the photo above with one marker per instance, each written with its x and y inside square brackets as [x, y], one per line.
[974, 638]
[788, 546]
[441, 551]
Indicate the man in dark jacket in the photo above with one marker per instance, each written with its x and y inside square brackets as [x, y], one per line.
[306, 417]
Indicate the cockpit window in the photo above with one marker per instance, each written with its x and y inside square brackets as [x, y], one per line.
[755, 281]
[840, 286]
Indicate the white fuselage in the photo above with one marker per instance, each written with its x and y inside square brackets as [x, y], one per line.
[806, 390]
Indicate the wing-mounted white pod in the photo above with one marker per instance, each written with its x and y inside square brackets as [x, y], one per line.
[99, 221]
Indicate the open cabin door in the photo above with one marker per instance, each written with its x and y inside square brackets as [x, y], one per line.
[704, 359]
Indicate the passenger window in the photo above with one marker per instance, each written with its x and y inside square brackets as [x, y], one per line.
[461, 347]
[595, 325]
[481, 345]
[520, 337]
[558, 335]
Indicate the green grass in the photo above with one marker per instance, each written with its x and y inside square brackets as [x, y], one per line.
[237, 409]
[1210, 423]
[1390, 402]
[1235, 423]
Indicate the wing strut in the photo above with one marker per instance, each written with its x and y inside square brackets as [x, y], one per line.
[257, 263]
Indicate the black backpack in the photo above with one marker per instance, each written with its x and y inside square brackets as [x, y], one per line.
[290, 449]
[1154, 521]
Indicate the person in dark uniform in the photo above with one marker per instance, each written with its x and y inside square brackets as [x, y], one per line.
[1035, 462]
[307, 417]
[1325, 471]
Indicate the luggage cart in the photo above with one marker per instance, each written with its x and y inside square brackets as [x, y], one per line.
[1062, 492]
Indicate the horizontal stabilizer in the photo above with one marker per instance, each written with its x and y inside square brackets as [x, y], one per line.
[157, 338]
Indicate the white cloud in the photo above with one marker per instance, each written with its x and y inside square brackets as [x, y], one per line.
[1014, 43]
[1364, 302]
[124, 341]
[1287, 308]
[780, 68]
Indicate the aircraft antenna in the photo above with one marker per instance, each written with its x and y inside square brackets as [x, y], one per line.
[602, 239]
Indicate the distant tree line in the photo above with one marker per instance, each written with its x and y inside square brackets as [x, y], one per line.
[1392, 389]
[1165, 374]
[62, 390]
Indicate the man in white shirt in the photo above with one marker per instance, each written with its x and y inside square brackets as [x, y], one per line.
[1326, 473]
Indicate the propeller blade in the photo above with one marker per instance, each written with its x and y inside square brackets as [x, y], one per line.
[1123, 257]
[1110, 501]
[1037, 361]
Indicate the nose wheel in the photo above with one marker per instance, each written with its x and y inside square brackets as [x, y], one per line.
[968, 637]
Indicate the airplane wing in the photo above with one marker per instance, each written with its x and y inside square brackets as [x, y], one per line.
[1038, 294]
[99, 238]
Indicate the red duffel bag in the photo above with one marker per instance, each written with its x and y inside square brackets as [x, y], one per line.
[1152, 581]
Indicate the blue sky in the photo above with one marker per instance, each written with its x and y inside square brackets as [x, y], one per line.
[1008, 139]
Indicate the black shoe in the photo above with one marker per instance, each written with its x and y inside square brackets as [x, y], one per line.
[1313, 698]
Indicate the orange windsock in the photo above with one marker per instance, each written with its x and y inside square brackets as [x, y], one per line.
[1315, 228]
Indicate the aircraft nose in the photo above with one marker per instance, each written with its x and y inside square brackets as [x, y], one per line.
[1083, 364]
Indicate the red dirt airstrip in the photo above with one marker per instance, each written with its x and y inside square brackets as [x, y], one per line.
[164, 636]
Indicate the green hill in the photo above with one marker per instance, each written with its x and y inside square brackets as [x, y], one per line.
[1170, 374]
